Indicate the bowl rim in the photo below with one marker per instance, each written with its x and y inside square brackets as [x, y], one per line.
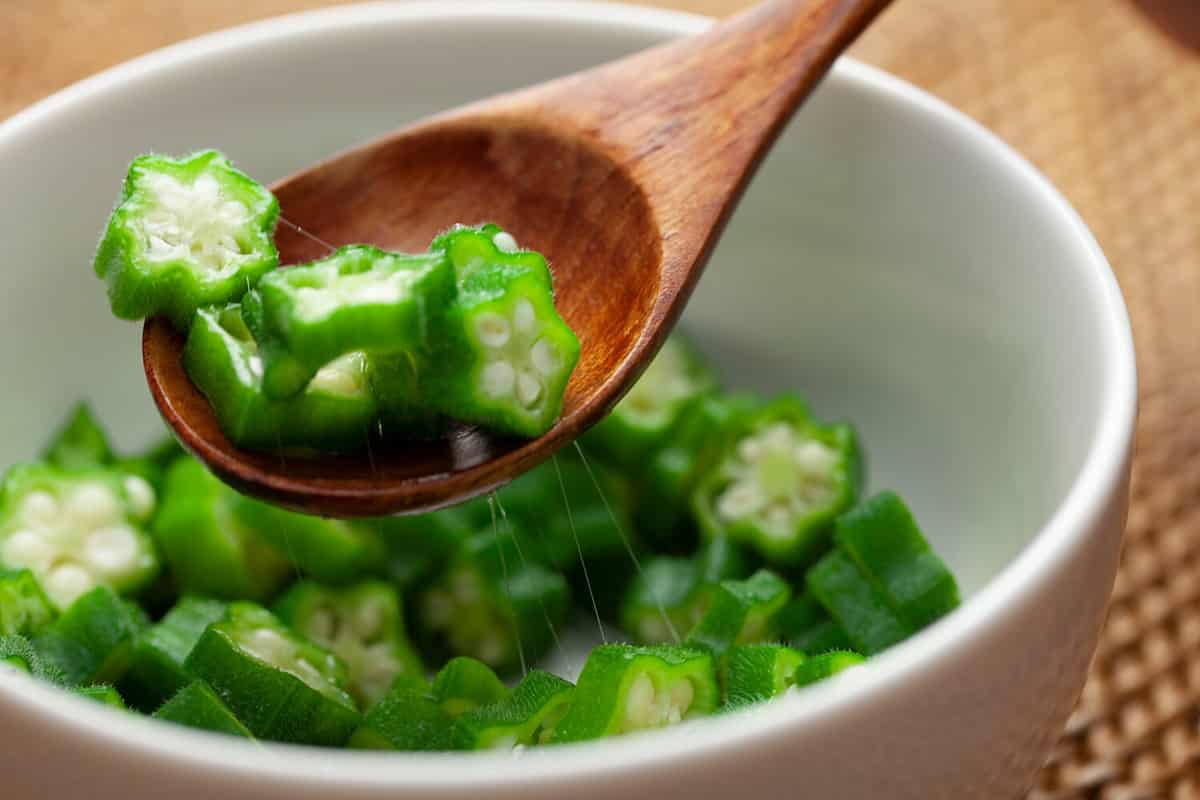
[1100, 478]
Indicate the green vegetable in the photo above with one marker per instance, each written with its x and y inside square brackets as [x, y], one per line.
[363, 625]
[779, 482]
[18, 653]
[757, 672]
[857, 606]
[156, 664]
[92, 640]
[818, 668]
[624, 688]
[281, 687]
[407, 718]
[742, 612]
[103, 694]
[883, 540]
[359, 298]
[24, 607]
[80, 442]
[417, 546]
[209, 551]
[465, 684]
[336, 412]
[196, 705]
[524, 718]
[807, 626]
[187, 233]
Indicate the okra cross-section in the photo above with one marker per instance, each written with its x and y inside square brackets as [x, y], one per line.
[526, 717]
[755, 673]
[77, 530]
[279, 686]
[187, 233]
[780, 482]
[359, 298]
[741, 612]
[624, 688]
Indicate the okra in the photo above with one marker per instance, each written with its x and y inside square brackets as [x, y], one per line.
[156, 664]
[187, 233]
[363, 625]
[91, 642]
[357, 299]
[882, 538]
[24, 607]
[417, 546]
[818, 668]
[196, 705]
[281, 687]
[407, 718]
[335, 412]
[464, 684]
[741, 612]
[755, 673]
[102, 693]
[624, 688]
[858, 607]
[526, 717]
[807, 626]
[779, 482]
[18, 653]
[77, 530]
[80, 442]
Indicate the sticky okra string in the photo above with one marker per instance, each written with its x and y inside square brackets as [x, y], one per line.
[507, 585]
[579, 548]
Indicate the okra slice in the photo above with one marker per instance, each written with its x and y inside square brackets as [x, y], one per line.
[80, 442]
[757, 672]
[741, 612]
[359, 298]
[505, 355]
[407, 718]
[156, 664]
[24, 607]
[405, 411]
[779, 482]
[491, 605]
[102, 693]
[77, 529]
[91, 642]
[417, 546]
[19, 654]
[464, 684]
[363, 625]
[187, 233]
[624, 688]
[525, 718]
[818, 668]
[335, 412]
[882, 538]
[280, 686]
[638, 425]
[196, 705]
[209, 551]
[807, 626]
[853, 601]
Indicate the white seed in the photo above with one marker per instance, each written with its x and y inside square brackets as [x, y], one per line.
[505, 242]
[749, 449]
[524, 317]
[141, 496]
[25, 548]
[341, 376]
[492, 329]
[544, 357]
[111, 550]
[368, 619]
[779, 518]
[499, 378]
[814, 457]
[92, 505]
[529, 388]
[66, 582]
[682, 695]
[40, 509]
[321, 625]
[305, 671]
[740, 500]
[639, 701]
[267, 645]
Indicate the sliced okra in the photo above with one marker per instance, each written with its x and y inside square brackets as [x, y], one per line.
[363, 625]
[741, 612]
[407, 718]
[209, 551]
[505, 355]
[18, 653]
[359, 298]
[102, 693]
[882, 538]
[757, 672]
[464, 684]
[525, 718]
[418, 546]
[91, 642]
[80, 442]
[152, 463]
[280, 686]
[624, 688]
[807, 626]
[855, 604]
[187, 233]
[24, 607]
[77, 529]
[156, 663]
[335, 412]
[820, 667]
[405, 412]
[779, 482]
[196, 705]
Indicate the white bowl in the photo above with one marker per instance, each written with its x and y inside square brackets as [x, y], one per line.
[893, 261]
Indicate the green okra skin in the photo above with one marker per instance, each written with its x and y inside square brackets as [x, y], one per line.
[336, 411]
[807, 626]
[504, 355]
[417, 546]
[407, 718]
[820, 667]
[779, 482]
[397, 382]
[625, 688]
[359, 298]
[196, 705]
[525, 718]
[91, 642]
[24, 608]
[209, 551]
[640, 423]
[492, 605]
[363, 625]
[77, 529]
[187, 233]
[103, 694]
[756, 673]
[855, 604]
[80, 442]
[882, 538]
[741, 612]
[18, 653]
[156, 663]
[280, 686]
[464, 684]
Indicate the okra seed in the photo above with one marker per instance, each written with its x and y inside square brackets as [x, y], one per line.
[524, 317]
[40, 508]
[267, 645]
[191, 221]
[639, 701]
[92, 504]
[141, 496]
[322, 625]
[111, 550]
[739, 500]
[68, 581]
[529, 388]
[368, 619]
[492, 329]
[499, 378]
[544, 359]
[505, 242]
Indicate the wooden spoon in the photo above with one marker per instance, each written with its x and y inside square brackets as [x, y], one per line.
[623, 175]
